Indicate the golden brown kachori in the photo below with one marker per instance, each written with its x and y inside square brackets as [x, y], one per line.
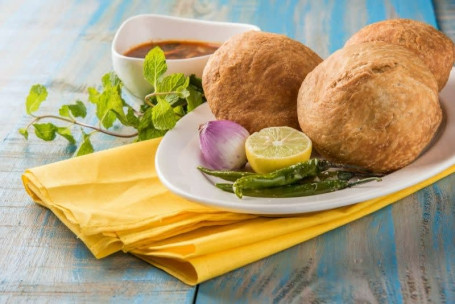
[373, 105]
[431, 45]
[254, 77]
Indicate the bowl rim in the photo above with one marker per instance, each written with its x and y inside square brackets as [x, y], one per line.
[158, 16]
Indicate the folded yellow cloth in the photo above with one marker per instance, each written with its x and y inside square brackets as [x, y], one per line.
[113, 200]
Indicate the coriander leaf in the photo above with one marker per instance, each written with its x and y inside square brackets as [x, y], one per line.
[76, 110]
[24, 132]
[66, 133]
[110, 80]
[194, 99]
[37, 94]
[86, 146]
[163, 116]
[154, 66]
[45, 131]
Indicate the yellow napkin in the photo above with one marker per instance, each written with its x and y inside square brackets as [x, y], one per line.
[113, 200]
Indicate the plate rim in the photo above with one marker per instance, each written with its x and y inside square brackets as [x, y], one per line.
[261, 207]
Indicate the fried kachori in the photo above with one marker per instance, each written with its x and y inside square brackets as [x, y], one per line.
[431, 45]
[254, 77]
[373, 105]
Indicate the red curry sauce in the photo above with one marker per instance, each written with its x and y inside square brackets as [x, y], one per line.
[174, 49]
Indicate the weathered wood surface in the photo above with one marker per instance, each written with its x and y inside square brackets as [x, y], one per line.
[404, 253]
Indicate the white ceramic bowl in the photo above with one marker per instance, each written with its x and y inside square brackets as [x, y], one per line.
[143, 28]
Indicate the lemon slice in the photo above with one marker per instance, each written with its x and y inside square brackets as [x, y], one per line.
[277, 147]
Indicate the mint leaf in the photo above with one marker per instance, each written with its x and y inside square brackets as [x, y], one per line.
[109, 103]
[45, 131]
[146, 120]
[112, 104]
[78, 109]
[121, 118]
[110, 80]
[150, 133]
[66, 133]
[74, 110]
[126, 120]
[154, 66]
[196, 82]
[176, 85]
[163, 116]
[104, 113]
[93, 95]
[172, 97]
[86, 146]
[101, 101]
[132, 118]
[179, 110]
[194, 99]
[37, 94]
[105, 102]
[24, 132]
[64, 111]
[146, 129]
[183, 92]
[172, 82]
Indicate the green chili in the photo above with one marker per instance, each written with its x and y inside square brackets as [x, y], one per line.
[298, 190]
[280, 177]
[344, 175]
[228, 175]
[225, 187]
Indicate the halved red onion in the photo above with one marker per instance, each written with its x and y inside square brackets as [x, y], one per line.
[222, 144]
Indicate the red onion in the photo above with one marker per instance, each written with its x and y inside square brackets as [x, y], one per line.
[222, 144]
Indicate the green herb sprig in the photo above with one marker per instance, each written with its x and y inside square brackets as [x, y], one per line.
[172, 97]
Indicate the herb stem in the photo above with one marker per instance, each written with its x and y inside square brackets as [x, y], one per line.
[148, 102]
[37, 118]
[149, 96]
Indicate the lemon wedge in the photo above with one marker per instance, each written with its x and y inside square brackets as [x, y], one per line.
[274, 148]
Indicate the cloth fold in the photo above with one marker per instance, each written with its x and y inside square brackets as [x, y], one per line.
[113, 201]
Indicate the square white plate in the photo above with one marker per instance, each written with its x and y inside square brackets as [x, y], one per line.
[178, 156]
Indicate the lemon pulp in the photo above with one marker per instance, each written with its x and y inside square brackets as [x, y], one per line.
[274, 148]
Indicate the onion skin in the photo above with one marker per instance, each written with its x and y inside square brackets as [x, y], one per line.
[222, 144]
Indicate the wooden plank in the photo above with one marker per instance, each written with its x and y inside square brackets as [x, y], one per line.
[324, 26]
[445, 13]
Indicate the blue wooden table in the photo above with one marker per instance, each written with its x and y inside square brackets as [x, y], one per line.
[403, 253]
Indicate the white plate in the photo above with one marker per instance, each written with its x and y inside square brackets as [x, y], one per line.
[178, 156]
